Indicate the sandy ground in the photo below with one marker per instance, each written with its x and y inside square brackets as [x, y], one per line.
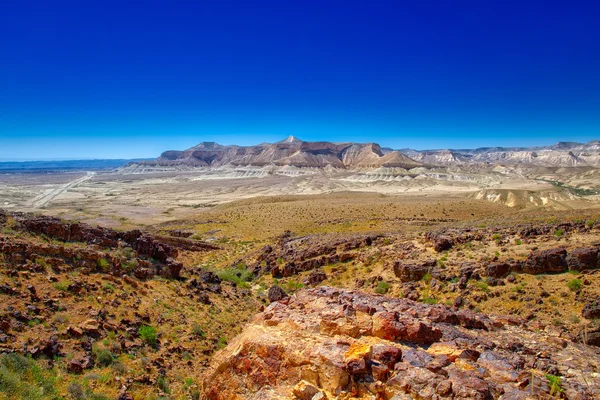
[117, 199]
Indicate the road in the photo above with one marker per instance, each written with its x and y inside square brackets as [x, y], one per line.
[45, 198]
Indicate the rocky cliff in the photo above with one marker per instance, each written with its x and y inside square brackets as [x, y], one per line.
[298, 153]
[562, 154]
[291, 151]
[329, 343]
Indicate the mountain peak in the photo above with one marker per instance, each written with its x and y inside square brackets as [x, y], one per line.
[290, 139]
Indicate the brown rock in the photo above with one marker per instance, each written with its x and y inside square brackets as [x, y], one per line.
[497, 270]
[591, 310]
[305, 391]
[314, 278]
[583, 259]
[413, 272]
[276, 293]
[386, 355]
[550, 261]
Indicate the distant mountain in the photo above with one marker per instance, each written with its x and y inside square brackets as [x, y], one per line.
[288, 152]
[562, 154]
[298, 153]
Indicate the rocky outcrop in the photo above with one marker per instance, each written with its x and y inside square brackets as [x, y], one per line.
[152, 254]
[276, 293]
[409, 272]
[293, 255]
[497, 269]
[583, 259]
[591, 310]
[339, 344]
[440, 242]
[445, 239]
[551, 261]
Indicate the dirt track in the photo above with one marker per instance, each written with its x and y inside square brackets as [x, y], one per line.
[45, 198]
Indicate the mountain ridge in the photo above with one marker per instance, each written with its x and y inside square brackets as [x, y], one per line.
[290, 151]
[350, 155]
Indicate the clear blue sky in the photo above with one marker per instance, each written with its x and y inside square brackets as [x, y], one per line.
[121, 79]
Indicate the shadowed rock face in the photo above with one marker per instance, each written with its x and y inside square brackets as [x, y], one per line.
[340, 344]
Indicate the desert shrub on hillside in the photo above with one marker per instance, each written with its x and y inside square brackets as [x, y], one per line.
[104, 357]
[148, 334]
[22, 378]
[575, 284]
[382, 287]
[555, 384]
[238, 274]
[103, 264]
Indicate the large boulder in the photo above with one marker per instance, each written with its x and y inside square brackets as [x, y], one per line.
[583, 259]
[552, 261]
[497, 269]
[276, 293]
[441, 242]
[591, 310]
[314, 278]
[413, 272]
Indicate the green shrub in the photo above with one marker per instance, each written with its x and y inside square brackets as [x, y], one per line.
[518, 242]
[559, 232]
[63, 286]
[188, 382]
[575, 284]
[75, 391]
[427, 278]
[429, 300]
[482, 286]
[109, 287]
[239, 274]
[163, 384]
[104, 357]
[555, 384]
[198, 331]
[292, 286]
[222, 342]
[382, 287]
[147, 334]
[103, 264]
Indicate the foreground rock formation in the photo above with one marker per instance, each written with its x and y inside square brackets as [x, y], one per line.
[340, 344]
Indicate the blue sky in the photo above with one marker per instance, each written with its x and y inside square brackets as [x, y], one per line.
[131, 79]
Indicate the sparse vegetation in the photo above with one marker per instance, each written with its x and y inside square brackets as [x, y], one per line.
[555, 384]
[103, 265]
[22, 378]
[104, 357]
[198, 331]
[559, 232]
[293, 285]
[382, 287]
[222, 342]
[148, 334]
[238, 274]
[483, 286]
[575, 284]
[427, 278]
